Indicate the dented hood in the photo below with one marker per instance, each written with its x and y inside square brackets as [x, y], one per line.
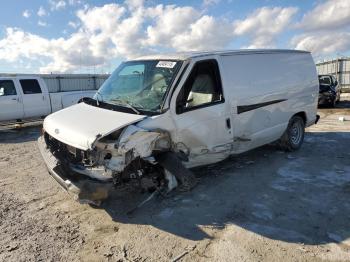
[81, 124]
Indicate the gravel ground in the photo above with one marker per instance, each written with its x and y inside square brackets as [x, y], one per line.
[265, 205]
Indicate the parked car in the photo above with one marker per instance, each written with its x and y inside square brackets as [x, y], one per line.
[27, 97]
[329, 92]
[158, 115]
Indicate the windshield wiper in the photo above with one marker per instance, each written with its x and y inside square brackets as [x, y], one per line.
[127, 105]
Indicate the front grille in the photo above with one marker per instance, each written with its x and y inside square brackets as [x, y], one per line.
[65, 152]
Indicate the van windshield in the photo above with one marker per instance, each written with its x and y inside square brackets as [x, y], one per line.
[139, 85]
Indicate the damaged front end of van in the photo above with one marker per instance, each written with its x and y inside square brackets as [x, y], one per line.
[98, 144]
[89, 165]
[128, 155]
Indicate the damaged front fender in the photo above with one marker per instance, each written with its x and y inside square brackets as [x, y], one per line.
[133, 143]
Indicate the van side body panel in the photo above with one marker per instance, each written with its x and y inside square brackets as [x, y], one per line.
[265, 91]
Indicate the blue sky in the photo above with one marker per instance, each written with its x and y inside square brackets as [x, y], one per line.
[94, 36]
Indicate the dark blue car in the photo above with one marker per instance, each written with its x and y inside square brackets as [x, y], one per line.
[329, 93]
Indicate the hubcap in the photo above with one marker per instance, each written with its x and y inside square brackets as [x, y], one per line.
[296, 133]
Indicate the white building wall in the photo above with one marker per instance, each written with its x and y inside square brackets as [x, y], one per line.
[70, 82]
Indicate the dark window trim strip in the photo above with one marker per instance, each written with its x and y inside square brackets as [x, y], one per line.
[178, 81]
[246, 108]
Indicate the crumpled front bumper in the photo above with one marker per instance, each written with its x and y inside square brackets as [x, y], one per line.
[83, 188]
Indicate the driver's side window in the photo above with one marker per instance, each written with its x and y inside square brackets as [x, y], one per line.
[202, 88]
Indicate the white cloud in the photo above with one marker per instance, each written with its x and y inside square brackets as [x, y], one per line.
[323, 44]
[41, 12]
[105, 18]
[203, 34]
[326, 29]
[134, 28]
[75, 2]
[134, 3]
[331, 14]
[42, 23]
[73, 24]
[207, 3]
[264, 24]
[26, 13]
[12, 47]
[184, 28]
[170, 21]
[65, 54]
[128, 36]
[57, 4]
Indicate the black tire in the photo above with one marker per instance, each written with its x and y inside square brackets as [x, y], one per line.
[293, 137]
[173, 164]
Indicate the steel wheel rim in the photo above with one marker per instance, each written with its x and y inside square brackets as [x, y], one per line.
[296, 133]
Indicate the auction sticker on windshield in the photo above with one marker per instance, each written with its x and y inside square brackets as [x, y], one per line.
[166, 64]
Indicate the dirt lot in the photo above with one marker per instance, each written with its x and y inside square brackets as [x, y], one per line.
[265, 205]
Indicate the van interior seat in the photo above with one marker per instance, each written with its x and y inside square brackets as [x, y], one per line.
[159, 84]
[202, 91]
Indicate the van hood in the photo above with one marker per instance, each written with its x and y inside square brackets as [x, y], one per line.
[81, 125]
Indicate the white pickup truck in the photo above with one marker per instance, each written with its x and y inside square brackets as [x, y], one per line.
[27, 97]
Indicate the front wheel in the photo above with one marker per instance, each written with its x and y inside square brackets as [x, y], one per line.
[293, 137]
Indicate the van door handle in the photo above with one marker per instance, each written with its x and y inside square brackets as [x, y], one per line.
[14, 99]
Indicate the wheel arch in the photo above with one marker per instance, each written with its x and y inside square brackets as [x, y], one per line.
[302, 114]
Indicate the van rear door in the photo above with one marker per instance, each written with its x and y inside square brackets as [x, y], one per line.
[11, 106]
[36, 100]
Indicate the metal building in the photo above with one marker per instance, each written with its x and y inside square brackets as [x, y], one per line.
[340, 68]
[73, 82]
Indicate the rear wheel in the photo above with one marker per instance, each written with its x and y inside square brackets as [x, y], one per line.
[293, 137]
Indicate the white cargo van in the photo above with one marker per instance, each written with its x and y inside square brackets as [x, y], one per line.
[158, 114]
[27, 97]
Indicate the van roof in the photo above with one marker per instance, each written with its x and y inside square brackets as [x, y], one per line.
[193, 54]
